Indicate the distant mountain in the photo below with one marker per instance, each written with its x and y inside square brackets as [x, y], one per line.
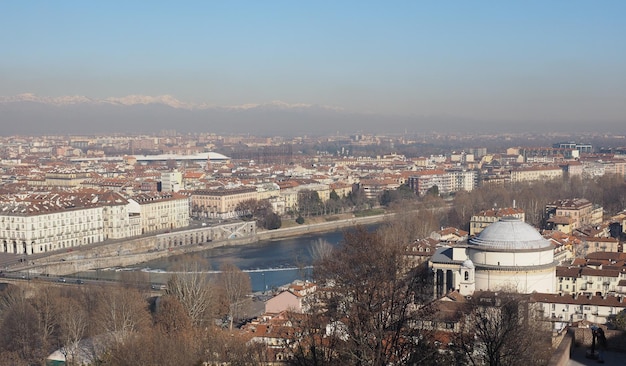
[32, 114]
[166, 100]
[35, 115]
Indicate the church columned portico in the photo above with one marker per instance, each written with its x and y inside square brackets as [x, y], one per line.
[443, 281]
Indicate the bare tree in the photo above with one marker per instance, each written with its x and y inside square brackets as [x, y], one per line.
[236, 285]
[366, 309]
[121, 311]
[46, 303]
[20, 333]
[501, 330]
[153, 347]
[194, 289]
[73, 321]
[9, 296]
[170, 315]
[246, 209]
[320, 250]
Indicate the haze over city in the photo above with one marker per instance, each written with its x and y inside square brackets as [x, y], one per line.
[312, 183]
[291, 67]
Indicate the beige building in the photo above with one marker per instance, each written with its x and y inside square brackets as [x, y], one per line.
[66, 178]
[323, 190]
[485, 218]
[571, 214]
[594, 244]
[220, 203]
[532, 174]
[39, 223]
[290, 198]
[160, 211]
[118, 222]
[587, 280]
[171, 181]
[565, 309]
[342, 189]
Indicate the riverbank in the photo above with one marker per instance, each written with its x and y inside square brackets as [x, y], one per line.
[321, 226]
[140, 250]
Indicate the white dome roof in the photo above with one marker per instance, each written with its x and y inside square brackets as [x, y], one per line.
[510, 233]
[468, 264]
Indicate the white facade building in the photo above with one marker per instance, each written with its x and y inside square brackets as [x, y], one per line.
[39, 223]
[563, 309]
[160, 211]
[171, 181]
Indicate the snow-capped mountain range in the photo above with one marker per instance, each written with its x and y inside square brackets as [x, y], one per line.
[166, 100]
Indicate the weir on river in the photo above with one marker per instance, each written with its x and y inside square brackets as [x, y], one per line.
[269, 263]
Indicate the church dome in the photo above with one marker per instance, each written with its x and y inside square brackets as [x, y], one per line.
[510, 233]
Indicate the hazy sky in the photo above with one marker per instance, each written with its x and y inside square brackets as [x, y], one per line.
[539, 60]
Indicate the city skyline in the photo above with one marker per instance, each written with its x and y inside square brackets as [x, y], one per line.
[406, 64]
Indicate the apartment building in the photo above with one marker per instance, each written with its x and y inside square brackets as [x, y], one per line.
[160, 211]
[118, 222]
[485, 218]
[588, 280]
[594, 244]
[66, 178]
[220, 203]
[341, 189]
[38, 223]
[171, 181]
[571, 214]
[564, 309]
[463, 180]
[531, 174]
[572, 168]
[447, 181]
[374, 188]
[424, 180]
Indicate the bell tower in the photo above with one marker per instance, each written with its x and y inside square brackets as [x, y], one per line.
[467, 284]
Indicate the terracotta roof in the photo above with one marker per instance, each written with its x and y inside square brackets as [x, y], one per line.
[568, 271]
[615, 301]
[586, 271]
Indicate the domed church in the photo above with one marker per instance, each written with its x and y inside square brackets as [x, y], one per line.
[507, 255]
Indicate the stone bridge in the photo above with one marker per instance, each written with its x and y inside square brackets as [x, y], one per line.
[205, 234]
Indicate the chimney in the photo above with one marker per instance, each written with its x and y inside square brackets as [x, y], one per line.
[620, 298]
[576, 296]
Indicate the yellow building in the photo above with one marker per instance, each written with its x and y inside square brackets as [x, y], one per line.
[485, 218]
[531, 174]
[571, 214]
[220, 203]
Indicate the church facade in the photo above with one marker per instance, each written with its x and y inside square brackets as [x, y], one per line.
[507, 255]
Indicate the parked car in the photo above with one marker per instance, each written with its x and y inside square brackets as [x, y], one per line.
[61, 279]
[79, 281]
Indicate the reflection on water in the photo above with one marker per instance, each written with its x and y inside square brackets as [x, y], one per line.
[269, 263]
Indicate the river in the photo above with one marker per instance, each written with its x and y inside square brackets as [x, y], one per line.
[269, 263]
